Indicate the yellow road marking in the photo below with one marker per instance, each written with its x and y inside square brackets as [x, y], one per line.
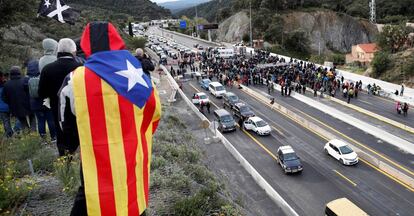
[346, 178]
[260, 144]
[325, 138]
[388, 175]
[360, 144]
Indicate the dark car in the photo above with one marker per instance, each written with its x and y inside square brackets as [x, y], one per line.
[229, 99]
[225, 120]
[288, 160]
[241, 110]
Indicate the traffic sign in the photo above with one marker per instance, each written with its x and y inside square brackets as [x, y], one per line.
[210, 26]
[183, 24]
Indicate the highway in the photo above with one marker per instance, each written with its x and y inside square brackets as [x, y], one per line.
[323, 178]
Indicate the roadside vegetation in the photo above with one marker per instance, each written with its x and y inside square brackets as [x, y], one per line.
[180, 183]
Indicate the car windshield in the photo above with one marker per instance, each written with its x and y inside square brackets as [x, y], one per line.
[219, 88]
[226, 118]
[261, 123]
[234, 98]
[206, 81]
[345, 150]
[244, 109]
[290, 156]
[203, 96]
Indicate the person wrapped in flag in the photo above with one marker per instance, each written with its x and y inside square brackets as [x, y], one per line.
[117, 111]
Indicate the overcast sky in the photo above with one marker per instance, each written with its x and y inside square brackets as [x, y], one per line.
[161, 1]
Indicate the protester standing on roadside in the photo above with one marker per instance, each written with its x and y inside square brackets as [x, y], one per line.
[4, 111]
[402, 90]
[51, 80]
[16, 95]
[147, 65]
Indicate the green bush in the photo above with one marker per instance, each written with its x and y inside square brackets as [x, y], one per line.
[380, 63]
[67, 171]
[13, 191]
[136, 42]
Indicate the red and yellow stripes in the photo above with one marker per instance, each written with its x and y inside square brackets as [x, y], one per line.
[116, 141]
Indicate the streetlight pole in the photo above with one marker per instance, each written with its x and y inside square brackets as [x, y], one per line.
[251, 33]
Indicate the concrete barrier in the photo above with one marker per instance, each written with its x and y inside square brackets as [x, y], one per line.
[273, 194]
[371, 159]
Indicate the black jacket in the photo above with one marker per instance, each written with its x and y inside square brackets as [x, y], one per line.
[51, 79]
[147, 65]
[16, 94]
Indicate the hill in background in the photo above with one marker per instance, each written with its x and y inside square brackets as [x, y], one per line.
[176, 6]
[139, 9]
[387, 11]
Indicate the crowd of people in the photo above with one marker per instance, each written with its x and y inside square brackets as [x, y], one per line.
[262, 68]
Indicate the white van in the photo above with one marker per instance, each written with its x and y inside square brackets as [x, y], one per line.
[216, 89]
[225, 53]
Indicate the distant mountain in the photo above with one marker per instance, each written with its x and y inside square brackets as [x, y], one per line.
[136, 8]
[213, 10]
[176, 6]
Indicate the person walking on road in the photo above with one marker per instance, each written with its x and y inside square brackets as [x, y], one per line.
[208, 107]
[405, 109]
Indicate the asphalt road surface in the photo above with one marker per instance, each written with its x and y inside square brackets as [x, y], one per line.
[323, 178]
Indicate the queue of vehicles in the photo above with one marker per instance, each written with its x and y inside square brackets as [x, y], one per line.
[286, 156]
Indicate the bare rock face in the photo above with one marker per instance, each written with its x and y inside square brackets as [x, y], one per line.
[329, 30]
[335, 32]
[233, 28]
[22, 34]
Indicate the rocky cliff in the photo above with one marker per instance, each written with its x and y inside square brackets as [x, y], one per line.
[335, 32]
[233, 28]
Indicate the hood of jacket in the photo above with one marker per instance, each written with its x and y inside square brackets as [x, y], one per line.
[15, 72]
[33, 68]
[100, 36]
[49, 46]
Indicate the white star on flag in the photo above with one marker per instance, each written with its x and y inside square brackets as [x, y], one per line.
[59, 10]
[134, 76]
[47, 3]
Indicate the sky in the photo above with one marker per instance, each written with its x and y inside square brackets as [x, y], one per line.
[162, 1]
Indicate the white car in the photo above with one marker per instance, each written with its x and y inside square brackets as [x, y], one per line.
[257, 125]
[216, 89]
[200, 97]
[341, 151]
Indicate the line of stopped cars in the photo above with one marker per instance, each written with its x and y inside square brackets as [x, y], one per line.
[286, 156]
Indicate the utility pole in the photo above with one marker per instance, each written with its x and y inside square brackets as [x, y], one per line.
[251, 32]
[196, 18]
[373, 14]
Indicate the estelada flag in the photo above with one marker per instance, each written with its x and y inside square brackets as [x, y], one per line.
[117, 109]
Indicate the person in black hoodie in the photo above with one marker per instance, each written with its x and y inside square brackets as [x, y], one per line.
[16, 95]
[51, 80]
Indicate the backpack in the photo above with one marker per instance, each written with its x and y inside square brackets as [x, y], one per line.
[34, 87]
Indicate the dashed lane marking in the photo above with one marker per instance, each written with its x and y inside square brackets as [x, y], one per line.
[346, 178]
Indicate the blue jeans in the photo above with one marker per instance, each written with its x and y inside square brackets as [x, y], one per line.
[43, 117]
[5, 119]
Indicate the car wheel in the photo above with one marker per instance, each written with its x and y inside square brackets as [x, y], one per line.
[342, 161]
[326, 151]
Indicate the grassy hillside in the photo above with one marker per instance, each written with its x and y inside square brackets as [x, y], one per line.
[213, 11]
